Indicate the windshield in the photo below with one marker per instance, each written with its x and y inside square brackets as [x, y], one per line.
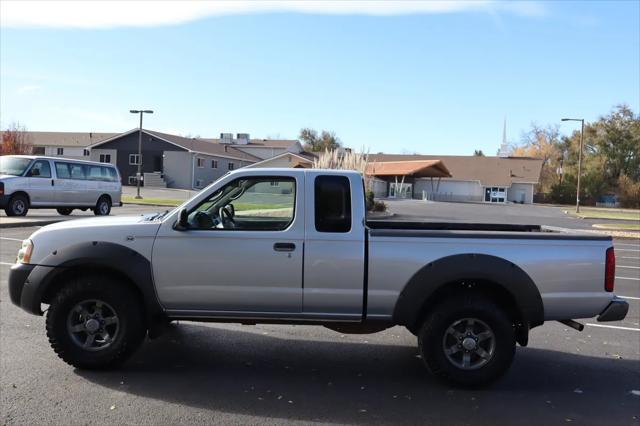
[14, 166]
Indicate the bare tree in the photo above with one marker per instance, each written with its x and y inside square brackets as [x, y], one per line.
[15, 140]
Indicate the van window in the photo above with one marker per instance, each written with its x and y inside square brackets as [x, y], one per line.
[77, 171]
[62, 170]
[43, 168]
[333, 204]
[111, 172]
[100, 173]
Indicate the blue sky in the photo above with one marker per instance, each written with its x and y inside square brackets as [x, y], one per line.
[433, 81]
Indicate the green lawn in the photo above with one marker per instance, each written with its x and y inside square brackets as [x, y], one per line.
[618, 226]
[172, 203]
[127, 199]
[250, 206]
[604, 213]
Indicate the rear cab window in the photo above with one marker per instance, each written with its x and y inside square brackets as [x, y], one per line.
[332, 204]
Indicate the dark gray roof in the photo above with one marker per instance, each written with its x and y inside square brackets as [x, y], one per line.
[66, 139]
[205, 147]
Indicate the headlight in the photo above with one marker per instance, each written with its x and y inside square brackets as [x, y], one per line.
[24, 254]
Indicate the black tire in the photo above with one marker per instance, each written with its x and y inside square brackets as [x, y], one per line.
[116, 300]
[436, 334]
[64, 211]
[18, 205]
[103, 206]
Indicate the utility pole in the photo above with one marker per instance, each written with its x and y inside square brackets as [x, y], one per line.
[139, 174]
[581, 120]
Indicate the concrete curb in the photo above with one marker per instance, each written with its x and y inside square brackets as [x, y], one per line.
[377, 215]
[152, 205]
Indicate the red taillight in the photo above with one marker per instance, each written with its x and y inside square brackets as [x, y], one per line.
[610, 270]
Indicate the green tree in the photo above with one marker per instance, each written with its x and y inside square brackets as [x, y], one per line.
[325, 141]
[617, 138]
[478, 153]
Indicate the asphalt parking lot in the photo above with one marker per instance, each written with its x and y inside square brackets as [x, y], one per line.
[233, 374]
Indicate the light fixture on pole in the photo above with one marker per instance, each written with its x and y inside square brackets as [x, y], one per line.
[139, 174]
[581, 120]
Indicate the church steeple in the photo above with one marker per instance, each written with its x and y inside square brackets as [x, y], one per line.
[504, 147]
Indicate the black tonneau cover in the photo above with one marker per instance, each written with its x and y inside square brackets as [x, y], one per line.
[451, 226]
[398, 228]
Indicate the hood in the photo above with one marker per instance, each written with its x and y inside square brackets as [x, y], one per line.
[111, 222]
[135, 232]
[7, 177]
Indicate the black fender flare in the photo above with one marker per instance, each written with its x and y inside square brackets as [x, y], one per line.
[88, 255]
[469, 267]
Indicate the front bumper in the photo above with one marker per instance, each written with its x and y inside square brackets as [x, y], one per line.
[27, 284]
[4, 201]
[18, 275]
[615, 311]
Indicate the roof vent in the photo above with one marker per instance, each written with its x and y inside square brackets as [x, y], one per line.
[226, 137]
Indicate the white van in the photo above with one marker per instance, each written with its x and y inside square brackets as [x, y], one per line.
[28, 181]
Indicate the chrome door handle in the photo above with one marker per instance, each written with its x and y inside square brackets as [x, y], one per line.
[284, 247]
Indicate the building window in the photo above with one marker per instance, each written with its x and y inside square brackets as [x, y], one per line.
[134, 159]
[38, 150]
[198, 183]
[275, 183]
[105, 158]
[214, 164]
[132, 180]
[86, 152]
[231, 166]
[59, 151]
[495, 195]
[200, 162]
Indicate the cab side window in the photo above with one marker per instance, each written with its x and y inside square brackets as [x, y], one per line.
[248, 204]
[41, 169]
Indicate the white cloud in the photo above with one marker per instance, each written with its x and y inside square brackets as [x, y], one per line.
[109, 14]
[28, 88]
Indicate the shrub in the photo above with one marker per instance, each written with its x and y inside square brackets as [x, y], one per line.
[379, 206]
[369, 200]
[628, 192]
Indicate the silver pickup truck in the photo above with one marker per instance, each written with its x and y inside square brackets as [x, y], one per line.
[293, 246]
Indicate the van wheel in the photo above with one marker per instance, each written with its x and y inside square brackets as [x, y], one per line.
[467, 340]
[64, 212]
[103, 206]
[18, 206]
[93, 324]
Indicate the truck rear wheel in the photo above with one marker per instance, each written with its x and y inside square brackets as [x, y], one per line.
[94, 323]
[467, 340]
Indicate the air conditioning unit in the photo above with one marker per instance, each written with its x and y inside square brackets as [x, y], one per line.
[242, 138]
[226, 137]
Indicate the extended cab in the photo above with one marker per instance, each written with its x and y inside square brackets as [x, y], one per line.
[294, 246]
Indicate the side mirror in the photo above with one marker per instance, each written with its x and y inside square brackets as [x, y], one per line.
[231, 209]
[183, 220]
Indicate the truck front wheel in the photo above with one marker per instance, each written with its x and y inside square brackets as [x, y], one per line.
[94, 322]
[467, 340]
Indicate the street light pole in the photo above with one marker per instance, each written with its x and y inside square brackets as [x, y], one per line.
[139, 174]
[581, 120]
